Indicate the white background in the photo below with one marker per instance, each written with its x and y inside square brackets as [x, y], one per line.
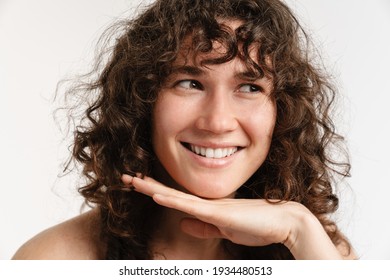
[44, 41]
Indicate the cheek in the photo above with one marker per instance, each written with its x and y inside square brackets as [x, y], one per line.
[172, 112]
[168, 120]
[260, 124]
[160, 129]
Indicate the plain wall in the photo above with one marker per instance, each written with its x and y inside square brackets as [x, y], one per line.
[44, 41]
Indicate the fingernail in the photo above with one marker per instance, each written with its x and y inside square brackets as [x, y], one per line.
[127, 179]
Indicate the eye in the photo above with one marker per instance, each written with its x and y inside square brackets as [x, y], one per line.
[189, 84]
[250, 88]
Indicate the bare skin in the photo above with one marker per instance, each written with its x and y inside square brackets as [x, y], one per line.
[75, 239]
[194, 229]
[250, 222]
[220, 110]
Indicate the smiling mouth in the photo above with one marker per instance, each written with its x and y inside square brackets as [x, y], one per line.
[211, 152]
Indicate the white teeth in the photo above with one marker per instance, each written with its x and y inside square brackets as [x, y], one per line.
[218, 153]
[213, 153]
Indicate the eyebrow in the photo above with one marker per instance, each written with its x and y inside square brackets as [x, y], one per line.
[196, 71]
[186, 69]
[249, 76]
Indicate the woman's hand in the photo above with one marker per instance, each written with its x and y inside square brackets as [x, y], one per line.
[250, 222]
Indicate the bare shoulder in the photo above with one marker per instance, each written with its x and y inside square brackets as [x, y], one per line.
[347, 251]
[75, 239]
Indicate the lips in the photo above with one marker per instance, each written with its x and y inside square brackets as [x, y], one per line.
[209, 152]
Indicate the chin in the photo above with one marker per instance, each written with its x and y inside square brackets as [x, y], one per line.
[212, 191]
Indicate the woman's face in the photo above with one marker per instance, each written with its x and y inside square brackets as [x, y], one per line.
[212, 125]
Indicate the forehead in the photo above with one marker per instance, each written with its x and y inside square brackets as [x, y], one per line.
[218, 53]
[196, 45]
[225, 44]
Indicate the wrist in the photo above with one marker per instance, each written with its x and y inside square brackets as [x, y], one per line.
[308, 239]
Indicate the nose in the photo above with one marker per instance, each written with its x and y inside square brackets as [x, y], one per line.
[218, 114]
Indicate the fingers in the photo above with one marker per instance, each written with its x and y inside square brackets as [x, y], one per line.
[150, 187]
[204, 210]
[127, 179]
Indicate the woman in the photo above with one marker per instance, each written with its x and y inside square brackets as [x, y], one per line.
[206, 136]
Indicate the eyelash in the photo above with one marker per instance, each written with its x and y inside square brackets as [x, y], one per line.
[194, 84]
[257, 88]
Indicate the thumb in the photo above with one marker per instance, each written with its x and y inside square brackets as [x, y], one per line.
[199, 229]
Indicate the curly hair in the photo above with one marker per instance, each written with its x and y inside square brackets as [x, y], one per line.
[114, 136]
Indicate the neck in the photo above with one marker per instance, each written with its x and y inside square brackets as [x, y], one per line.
[170, 242]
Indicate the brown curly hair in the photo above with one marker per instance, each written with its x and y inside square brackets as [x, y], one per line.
[114, 136]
